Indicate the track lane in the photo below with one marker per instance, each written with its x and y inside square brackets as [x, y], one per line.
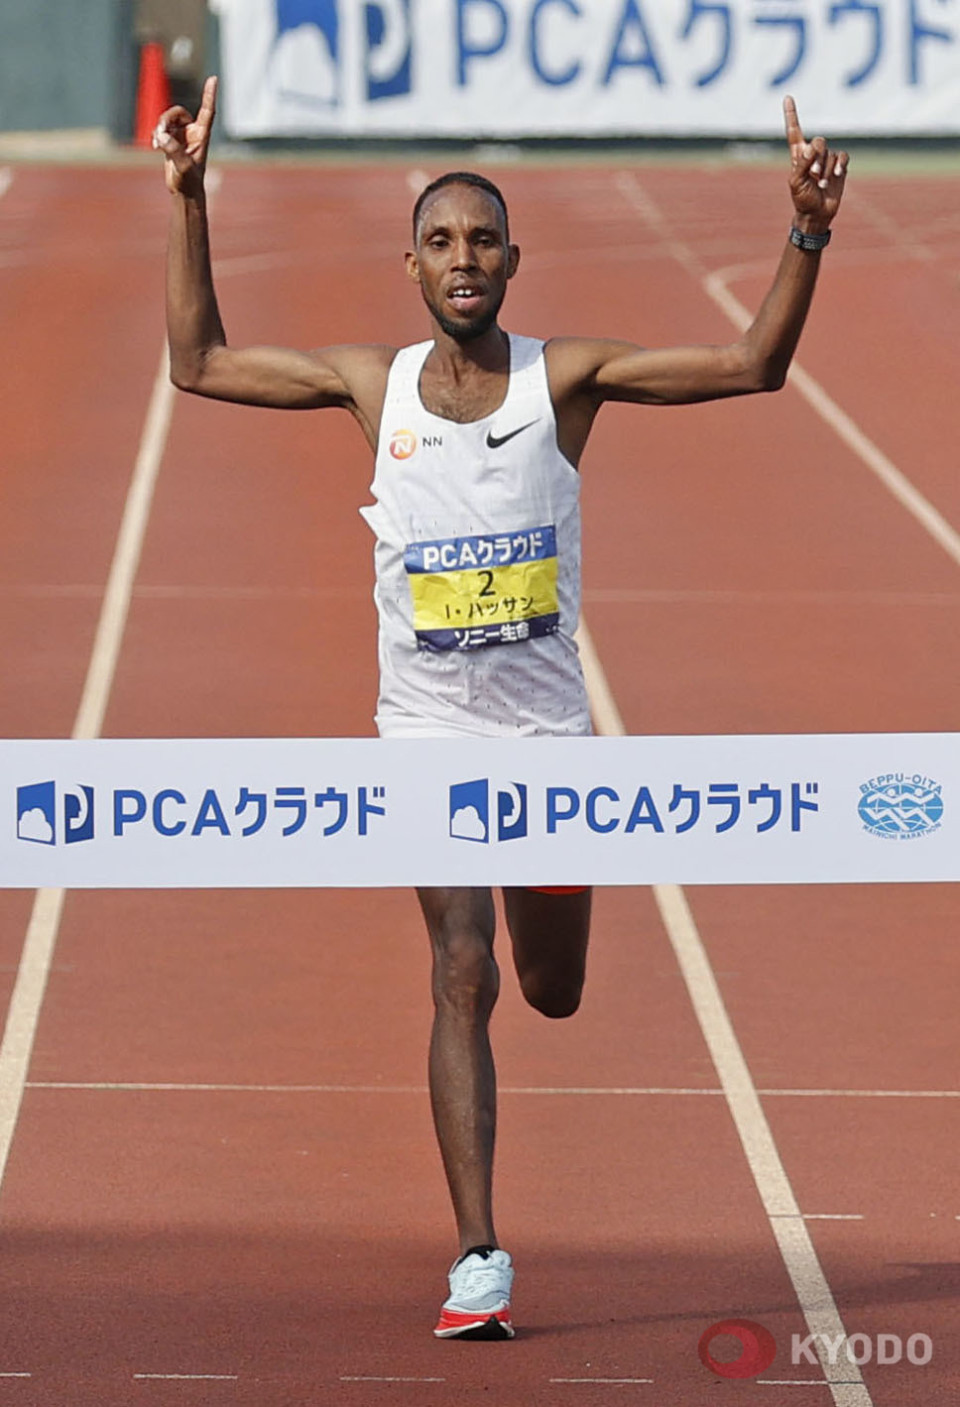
[673, 1288]
[83, 352]
[761, 998]
[180, 561]
[46, 445]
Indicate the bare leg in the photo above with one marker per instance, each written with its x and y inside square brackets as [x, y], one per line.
[549, 934]
[463, 1090]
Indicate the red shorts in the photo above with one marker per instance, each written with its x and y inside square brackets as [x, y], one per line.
[558, 888]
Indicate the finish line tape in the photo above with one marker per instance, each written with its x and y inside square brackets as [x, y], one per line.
[363, 812]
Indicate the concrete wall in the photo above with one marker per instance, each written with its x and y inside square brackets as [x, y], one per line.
[65, 63]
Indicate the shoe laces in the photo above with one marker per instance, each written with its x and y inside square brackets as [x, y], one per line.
[477, 1275]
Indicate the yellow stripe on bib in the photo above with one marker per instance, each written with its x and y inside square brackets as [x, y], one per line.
[491, 596]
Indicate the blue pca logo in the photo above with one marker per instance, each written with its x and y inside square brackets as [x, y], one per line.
[471, 817]
[901, 805]
[307, 56]
[37, 814]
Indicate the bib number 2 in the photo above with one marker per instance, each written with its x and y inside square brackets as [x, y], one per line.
[472, 592]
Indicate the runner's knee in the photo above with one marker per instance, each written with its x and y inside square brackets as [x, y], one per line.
[465, 973]
[550, 996]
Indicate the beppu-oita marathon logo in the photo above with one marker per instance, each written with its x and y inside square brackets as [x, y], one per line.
[901, 805]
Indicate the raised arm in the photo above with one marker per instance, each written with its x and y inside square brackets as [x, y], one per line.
[584, 374]
[200, 360]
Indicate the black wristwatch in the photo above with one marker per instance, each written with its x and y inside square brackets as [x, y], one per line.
[809, 242]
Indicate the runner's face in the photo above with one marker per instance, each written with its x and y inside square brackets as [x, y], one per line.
[462, 260]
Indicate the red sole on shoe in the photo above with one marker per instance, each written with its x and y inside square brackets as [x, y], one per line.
[471, 1326]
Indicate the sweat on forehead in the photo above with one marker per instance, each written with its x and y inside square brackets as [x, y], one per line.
[459, 178]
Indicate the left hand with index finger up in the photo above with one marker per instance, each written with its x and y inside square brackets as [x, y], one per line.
[817, 175]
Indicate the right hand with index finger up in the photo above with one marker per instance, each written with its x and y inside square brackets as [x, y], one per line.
[185, 141]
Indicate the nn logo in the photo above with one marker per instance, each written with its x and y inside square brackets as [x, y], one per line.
[37, 814]
[471, 816]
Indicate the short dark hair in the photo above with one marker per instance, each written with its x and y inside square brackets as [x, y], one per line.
[460, 178]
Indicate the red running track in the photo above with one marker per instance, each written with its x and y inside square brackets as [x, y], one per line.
[223, 1185]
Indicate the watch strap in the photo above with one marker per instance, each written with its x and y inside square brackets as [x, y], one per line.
[809, 242]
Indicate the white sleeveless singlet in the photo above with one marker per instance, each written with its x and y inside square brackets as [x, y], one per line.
[477, 563]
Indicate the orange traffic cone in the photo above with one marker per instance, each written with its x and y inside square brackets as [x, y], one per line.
[153, 93]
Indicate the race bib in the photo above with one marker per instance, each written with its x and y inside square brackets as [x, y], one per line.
[493, 589]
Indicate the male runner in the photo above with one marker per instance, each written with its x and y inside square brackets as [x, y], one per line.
[478, 562]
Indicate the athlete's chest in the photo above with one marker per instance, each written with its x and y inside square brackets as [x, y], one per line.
[463, 401]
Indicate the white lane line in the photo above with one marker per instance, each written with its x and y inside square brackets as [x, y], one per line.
[357, 1379]
[15, 1375]
[810, 1285]
[833, 1216]
[875, 257]
[252, 593]
[242, 264]
[126, 557]
[186, 1377]
[653, 217]
[844, 426]
[165, 1087]
[23, 1012]
[610, 1381]
[6, 179]
[606, 716]
[787, 1223]
[138, 1087]
[866, 1093]
[85, 591]
[796, 1248]
[144, 1087]
[51, 591]
[668, 596]
[886, 225]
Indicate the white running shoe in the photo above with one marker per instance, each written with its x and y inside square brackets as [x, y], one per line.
[479, 1303]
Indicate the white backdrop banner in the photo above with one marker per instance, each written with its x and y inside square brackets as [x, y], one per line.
[589, 67]
[358, 812]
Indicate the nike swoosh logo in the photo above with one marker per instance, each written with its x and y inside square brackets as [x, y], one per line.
[495, 441]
